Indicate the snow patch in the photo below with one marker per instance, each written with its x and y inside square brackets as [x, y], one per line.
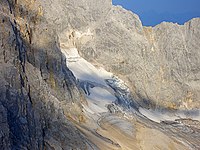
[83, 70]
[93, 81]
[159, 116]
[99, 99]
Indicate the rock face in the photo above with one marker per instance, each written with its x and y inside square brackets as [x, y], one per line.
[39, 95]
[160, 63]
[37, 92]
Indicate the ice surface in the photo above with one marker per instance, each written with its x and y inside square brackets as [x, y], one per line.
[98, 94]
[83, 70]
[101, 98]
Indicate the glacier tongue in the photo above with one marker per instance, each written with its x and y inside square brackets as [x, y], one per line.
[102, 89]
[92, 80]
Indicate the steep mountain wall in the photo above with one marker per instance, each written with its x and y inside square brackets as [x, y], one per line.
[39, 95]
[160, 64]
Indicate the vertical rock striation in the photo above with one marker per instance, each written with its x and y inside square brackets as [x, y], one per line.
[38, 92]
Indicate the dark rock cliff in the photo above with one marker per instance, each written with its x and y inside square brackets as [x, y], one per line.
[37, 92]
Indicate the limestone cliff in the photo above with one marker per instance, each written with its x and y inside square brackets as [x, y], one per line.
[160, 63]
[41, 100]
[38, 93]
